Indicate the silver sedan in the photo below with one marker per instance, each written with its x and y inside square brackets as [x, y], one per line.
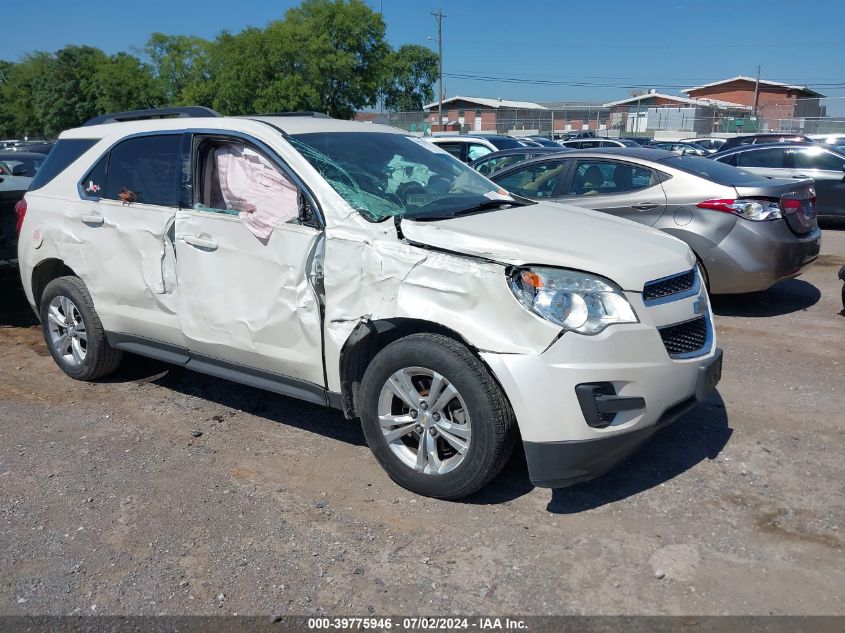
[748, 232]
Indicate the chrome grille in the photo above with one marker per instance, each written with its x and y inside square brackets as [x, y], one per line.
[687, 338]
[669, 286]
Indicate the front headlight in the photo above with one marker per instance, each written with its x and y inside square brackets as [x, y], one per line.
[576, 301]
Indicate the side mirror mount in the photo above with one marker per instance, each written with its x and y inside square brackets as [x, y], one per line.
[19, 170]
[307, 216]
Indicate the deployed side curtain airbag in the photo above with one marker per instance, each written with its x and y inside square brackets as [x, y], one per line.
[249, 184]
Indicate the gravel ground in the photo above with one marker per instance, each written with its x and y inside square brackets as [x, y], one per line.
[163, 491]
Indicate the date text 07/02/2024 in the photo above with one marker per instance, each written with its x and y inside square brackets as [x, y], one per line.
[417, 624]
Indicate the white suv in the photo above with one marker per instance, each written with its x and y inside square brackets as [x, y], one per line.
[356, 266]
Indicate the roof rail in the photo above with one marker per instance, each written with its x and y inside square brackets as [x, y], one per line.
[316, 115]
[153, 113]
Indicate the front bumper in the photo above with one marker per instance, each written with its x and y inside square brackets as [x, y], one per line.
[639, 380]
[560, 464]
[756, 255]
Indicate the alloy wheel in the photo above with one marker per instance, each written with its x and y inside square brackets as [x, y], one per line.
[424, 420]
[67, 331]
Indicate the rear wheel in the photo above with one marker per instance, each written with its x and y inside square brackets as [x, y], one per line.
[73, 332]
[434, 417]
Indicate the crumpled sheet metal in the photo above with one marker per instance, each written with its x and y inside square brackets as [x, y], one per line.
[248, 301]
[128, 263]
[370, 277]
[271, 314]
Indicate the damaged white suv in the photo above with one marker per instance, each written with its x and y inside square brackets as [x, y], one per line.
[356, 266]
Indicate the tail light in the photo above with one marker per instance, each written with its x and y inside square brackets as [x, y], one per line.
[800, 211]
[748, 208]
[20, 211]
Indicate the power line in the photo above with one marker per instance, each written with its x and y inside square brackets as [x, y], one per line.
[587, 84]
[835, 80]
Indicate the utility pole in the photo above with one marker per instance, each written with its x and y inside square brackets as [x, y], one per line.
[381, 15]
[756, 90]
[439, 17]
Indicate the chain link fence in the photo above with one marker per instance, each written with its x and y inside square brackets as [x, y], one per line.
[801, 116]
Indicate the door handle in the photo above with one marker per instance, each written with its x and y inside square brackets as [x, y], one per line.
[93, 218]
[645, 206]
[207, 244]
[800, 176]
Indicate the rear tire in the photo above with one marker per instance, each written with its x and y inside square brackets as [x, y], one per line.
[73, 332]
[466, 432]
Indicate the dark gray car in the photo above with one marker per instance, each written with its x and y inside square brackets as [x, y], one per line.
[825, 165]
[22, 163]
[499, 160]
[747, 231]
[12, 189]
[591, 143]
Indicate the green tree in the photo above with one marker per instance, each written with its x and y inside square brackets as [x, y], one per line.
[325, 55]
[17, 117]
[342, 51]
[6, 128]
[124, 82]
[408, 77]
[181, 63]
[65, 95]
[240, 70]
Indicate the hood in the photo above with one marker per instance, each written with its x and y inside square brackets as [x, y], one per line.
[551, 234]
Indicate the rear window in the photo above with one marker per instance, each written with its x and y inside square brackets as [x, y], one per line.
[60, 157]
[453, 148]
[813, 158]
[711, 170]
[505, 143]
[773, 158]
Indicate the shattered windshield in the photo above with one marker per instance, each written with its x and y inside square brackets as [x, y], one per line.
[383, 175]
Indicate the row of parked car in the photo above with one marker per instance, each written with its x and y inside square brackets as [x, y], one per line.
[360, 267]
[748, 211]
[18, 166]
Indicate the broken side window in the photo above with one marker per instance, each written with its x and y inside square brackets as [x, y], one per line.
[238, 180]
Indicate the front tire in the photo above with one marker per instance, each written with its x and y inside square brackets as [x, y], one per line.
[434, 417]
[73, 332]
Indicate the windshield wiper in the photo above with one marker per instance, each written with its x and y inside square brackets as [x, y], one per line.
[487, 205]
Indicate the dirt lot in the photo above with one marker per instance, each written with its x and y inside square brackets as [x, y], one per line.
[108, 504]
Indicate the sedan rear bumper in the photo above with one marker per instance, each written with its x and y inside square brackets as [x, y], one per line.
[756, 255]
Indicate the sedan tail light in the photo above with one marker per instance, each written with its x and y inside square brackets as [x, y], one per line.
[799, 209]
[20, 211]
[747, 208]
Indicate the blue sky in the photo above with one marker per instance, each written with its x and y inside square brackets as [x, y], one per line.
[612, 44]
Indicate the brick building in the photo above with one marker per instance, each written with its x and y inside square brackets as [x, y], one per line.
[480, 114]
[476, 114]
[777, 102]
[658, 111]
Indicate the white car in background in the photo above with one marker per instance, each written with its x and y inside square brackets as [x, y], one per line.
[837, 140]
[283, 252]
[712, 145]
[469, 148]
